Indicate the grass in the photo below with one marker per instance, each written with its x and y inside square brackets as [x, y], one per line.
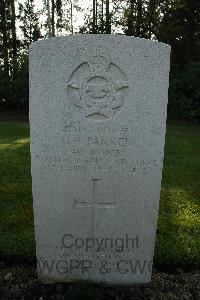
[16, 216]
[178, 233]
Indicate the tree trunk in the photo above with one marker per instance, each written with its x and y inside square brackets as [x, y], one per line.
[108, 25]
[30, 24]
[94, 17]
[14, 48]
[102, 19]
[130, 21]
[53, 17]
[139, 18]
[72, 28]
[96, 21]
[49, 18]
[14, 39]
[5, 39]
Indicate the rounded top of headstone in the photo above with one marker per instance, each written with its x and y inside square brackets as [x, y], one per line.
[109, 38]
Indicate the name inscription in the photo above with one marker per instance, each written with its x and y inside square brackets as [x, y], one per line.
[99, 150]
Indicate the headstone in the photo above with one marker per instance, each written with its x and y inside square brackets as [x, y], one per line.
[97, 113]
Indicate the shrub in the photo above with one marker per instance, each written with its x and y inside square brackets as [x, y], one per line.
[184, 94]
[14, 91]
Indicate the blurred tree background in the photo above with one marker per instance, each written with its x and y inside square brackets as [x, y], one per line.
[176, 22]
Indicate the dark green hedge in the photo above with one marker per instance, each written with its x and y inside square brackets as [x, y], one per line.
[184, 94]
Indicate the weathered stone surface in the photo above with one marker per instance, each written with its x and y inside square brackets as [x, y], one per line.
[97, 113]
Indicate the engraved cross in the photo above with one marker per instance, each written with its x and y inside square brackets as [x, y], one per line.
[94, 204]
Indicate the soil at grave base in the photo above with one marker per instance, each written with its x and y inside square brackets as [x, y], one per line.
[19, 282]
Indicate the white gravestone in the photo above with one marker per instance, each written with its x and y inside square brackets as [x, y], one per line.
[97, 112]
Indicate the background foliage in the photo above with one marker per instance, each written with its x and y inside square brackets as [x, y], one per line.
[176, 22]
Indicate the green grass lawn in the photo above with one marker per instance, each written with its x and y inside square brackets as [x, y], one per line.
[178, 233]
